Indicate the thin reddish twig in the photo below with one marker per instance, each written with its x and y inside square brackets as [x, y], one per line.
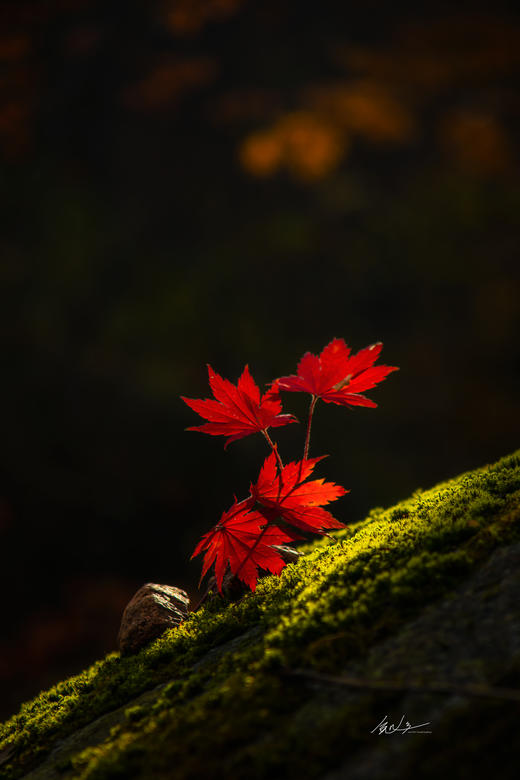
[273, 447]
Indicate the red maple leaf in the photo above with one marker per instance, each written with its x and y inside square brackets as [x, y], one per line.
[336, 376]
[284, 493]
[238, 410]
[243, 540]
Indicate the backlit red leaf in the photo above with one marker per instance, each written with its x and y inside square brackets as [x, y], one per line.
[237, 411]
[336, 376]
[242, 540]
[285, 493]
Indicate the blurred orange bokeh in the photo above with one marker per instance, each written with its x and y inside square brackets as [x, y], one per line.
[302, 142]
[168, 81]
[185, 17]
[476, 142]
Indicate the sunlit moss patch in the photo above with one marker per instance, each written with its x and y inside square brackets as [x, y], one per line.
[212, 697]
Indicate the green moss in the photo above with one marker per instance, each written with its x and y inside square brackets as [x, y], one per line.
[331, 607]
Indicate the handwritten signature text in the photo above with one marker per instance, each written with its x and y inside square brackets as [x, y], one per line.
[403, 727]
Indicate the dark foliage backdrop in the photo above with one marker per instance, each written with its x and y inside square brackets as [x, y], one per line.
[232, 181]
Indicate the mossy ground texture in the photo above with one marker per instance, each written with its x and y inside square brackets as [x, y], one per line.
[213, 698]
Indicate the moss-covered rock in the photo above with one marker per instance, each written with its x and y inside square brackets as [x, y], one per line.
[427, 591]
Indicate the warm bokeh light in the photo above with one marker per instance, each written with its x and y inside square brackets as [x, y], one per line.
[434, 55]
[477, 141]
[186, 17]
[168, 81]
[14, 47]
[365, 108]
[303, 143]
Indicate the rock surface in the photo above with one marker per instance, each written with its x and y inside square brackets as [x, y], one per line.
[399, 616]
[152, 610]
[453, 640]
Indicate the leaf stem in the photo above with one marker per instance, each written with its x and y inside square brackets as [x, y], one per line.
[252, 549]
[314, 400]
[273, 447]
[202, 600]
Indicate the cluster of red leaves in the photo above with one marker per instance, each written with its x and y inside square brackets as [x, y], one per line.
[246, 532]
[283, 502]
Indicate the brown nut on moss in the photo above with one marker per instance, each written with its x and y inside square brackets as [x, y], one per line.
[289, 554]
[152, 610]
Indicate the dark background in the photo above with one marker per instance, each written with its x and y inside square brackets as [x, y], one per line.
[234, 181]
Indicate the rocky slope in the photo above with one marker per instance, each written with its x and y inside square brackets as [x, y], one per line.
[412, 614]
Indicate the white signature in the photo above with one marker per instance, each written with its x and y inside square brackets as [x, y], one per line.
[390, 728]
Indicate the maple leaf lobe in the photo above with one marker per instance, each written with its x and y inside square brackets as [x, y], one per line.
[241, 541]
[336, 376]
[286, 493]
[237, 410]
